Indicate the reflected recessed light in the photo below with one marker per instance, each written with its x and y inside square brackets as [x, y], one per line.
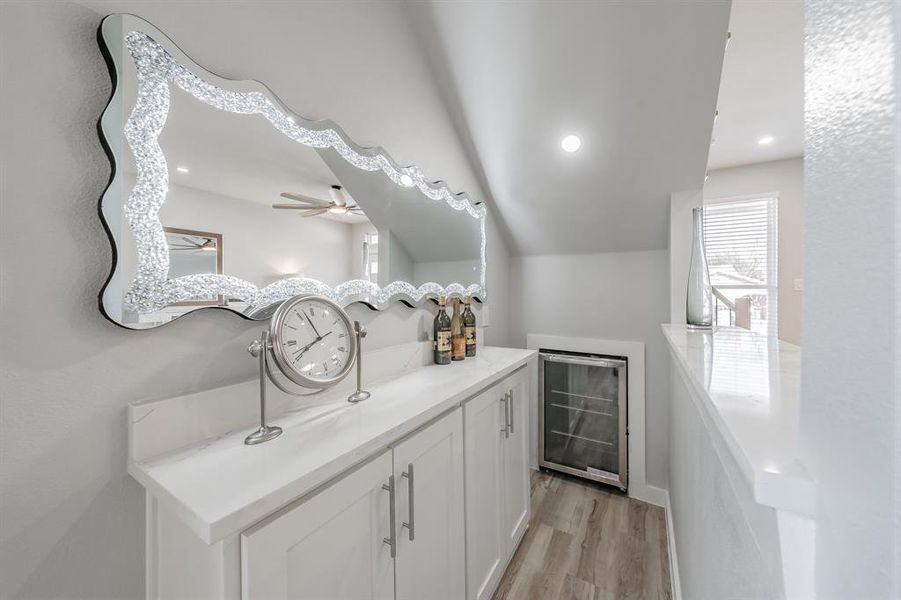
[767, 139]
[406, 180]
[571, 143]
[181, 169]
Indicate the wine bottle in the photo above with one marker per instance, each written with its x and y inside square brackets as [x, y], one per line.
[469, 328]
[442, 333]
[458, 339]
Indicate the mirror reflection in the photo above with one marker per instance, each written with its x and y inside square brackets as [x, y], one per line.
[254, 214]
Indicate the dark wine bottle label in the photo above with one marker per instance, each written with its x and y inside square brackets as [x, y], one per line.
[443, 343]
[470, 341]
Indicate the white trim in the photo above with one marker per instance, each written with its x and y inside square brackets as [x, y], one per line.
[671, 550]
[634, 353]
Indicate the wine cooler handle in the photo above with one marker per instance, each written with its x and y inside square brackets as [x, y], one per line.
[510, 403]
[411, 526]
[391, 540]
[506, 429]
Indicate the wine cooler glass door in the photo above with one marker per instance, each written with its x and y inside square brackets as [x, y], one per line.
[584, 416]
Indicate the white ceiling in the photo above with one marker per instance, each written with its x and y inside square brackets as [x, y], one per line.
[480, 94]
[762, 87]
[636, 80]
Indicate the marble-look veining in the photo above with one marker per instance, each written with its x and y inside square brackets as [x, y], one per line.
[219, 486]
[748, 386]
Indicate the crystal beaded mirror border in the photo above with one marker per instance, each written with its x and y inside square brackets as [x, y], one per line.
[159, 64]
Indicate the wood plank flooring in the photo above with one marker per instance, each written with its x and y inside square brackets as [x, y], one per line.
[588, 542]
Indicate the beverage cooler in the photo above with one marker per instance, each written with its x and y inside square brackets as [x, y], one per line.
[583, 416]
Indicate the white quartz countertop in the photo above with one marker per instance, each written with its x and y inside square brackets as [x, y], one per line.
[222, 486]
[747, 387]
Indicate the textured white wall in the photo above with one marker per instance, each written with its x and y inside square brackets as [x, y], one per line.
[786, 177]
[851, 364]
[72, 519]
[618, 296]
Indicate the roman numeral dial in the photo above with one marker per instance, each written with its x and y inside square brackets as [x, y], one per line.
[313, 341]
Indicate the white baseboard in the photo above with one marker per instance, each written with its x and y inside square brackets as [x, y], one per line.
[649, 493]
[671, 543]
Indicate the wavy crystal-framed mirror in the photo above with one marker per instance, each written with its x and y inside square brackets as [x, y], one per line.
[304, 208]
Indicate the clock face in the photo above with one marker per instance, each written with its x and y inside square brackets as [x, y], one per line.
[313, 341]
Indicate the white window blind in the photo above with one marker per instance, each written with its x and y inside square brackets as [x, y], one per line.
[740, 243]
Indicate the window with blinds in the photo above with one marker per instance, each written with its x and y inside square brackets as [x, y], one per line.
[740, 243]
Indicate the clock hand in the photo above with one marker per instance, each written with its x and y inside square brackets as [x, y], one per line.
[316, 331]
[304, 349]
[310, 345]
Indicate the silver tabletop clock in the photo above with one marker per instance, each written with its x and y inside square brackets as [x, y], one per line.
[313, 343]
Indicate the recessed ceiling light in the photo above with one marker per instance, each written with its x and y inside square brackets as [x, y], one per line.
[406, 180]
[767, 139]
[571, 143]
[181, 169]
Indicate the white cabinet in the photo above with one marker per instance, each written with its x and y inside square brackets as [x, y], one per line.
[329, 546]
[484, 425]
[339, 543]
[428, 471]
[435, 512]
[497, 481]
[516, 463]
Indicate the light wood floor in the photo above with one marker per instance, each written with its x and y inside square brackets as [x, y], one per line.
[588, 542]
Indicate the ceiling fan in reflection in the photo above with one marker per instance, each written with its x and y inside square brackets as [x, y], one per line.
[312, 207]
[207, 245]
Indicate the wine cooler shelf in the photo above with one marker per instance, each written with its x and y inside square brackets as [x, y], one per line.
[583, 423]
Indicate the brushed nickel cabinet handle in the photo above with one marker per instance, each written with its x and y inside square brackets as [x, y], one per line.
[506, 429]
[510, 402]
[391, 540]
[411, 525]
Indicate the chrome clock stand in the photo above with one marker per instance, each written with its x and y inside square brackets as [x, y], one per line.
[360, 394]
[259, 348]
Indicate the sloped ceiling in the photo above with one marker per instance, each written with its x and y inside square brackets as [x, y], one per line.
[479, 94]
[636, 80]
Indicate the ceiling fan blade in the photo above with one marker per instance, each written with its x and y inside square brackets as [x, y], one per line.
[302, 198]
[315, 212]
[295, 206]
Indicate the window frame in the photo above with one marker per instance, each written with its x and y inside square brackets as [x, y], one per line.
[772, 266]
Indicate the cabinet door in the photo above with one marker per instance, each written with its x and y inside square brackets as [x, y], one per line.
[516, 461]
[485, 548]
[428, 471]
[329, 546]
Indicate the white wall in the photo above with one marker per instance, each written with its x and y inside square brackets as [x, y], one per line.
[785, 177]
[727, 544]
[851, 364]
[262, 245]
[72, 519]
[619, 296]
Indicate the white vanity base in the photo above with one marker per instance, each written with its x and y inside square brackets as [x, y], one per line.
[310, 514]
